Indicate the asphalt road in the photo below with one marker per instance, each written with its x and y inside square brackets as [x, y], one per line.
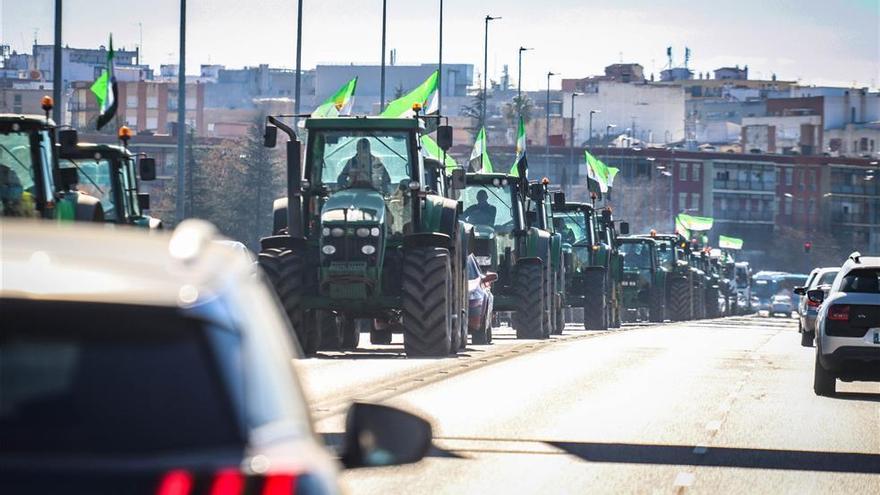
[714, 406]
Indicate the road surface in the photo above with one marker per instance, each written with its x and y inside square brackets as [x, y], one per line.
[712, 406]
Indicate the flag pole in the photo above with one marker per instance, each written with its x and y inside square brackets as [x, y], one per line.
[181, 116]
[57, 76]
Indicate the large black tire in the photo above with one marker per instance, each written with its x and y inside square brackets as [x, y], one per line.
[528, 287]
[330, 331]
[285, 271]
[428, 302]
[711, 303]
[657, 308]
[559, 312]
[380, 336]
[807, 339]
[351, 333]
[824, 383]
[547, 320]
[679, 304]
[483, 335]
[596, 310]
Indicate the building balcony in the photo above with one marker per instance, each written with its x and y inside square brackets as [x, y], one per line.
[840, 217]
[745, 186]
[744, 216]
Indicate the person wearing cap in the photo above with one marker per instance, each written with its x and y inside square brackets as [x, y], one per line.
[481, 213]
[14, 200]
[365, 168]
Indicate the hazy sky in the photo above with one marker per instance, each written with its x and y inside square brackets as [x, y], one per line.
[816, 41]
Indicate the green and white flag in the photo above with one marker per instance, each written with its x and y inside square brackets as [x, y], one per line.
[725, 242]
[600, 173]
[432, 150]
[425, 95]
[520, 163]
[681, 229]
[338, 104]
[106, 91]
[479, 161]
[693, 223]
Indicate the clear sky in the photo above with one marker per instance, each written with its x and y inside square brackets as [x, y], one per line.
[815, 41]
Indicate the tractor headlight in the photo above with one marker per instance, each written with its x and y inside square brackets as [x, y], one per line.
[496, 182]
[325, 232]
[328, 249]
[362, 232]
[337, 231]
[368, 249]
[375, 232]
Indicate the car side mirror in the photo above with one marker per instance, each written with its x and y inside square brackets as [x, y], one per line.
[816, 296]
[800, 291]
[490, 277]
[147, 168]
[377, 435]
[68, 139]
[270, 136]
[558, 199]
[69, 178]
[459, 179]
[143, 201]
[444, 137]
[624, 228]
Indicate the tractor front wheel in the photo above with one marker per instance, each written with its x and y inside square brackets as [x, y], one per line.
[528, 319]
[428, 293]
[285, 270]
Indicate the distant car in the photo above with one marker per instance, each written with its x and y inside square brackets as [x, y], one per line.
[480, 302]
[780, 304]
[848, 326]
[158, 365]
[807, 309]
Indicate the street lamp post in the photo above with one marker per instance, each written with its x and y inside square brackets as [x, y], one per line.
[382, 70]
[485, 69]
[547, 137]
[57, 76]
[519, 77]
[298, 75]
[181, 116]
[590, 138]
[571, 150]
[440, 66]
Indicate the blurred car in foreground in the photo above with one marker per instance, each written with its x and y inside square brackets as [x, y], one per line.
[848, 326]
[480, 302]
[807, 309]
[160, 365]
[781, 304]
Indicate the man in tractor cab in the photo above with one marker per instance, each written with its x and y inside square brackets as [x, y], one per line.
[365, 168]
[14, 200]
[481, 213]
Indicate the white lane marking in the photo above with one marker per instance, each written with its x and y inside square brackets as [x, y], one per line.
[700, 449]
[713, 425]
[725, 407]
[684, 478]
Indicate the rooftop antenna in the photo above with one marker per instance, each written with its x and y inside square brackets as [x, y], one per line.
[687, 56]
[669, 56]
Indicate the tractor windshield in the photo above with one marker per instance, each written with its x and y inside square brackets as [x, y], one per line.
[380, 160]
[573, 226]
[129, 184]
[17, 178]
[95, 180]
[489, 205]
[667, 256]
[636, 255]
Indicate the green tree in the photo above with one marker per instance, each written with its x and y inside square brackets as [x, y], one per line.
[475, 112]
[518, 106]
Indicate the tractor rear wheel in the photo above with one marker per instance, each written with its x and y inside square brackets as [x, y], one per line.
[657, 309]
[679, 303]
[329, 329]
[596, 310]
[351, 333]
[528, 286]
[428, 293]
[559, 324]
[285, 271]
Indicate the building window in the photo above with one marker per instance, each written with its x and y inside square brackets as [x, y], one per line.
[683, 172]
[682, 201]
[788, 175]
[695, 175]
[152, 123]
[131, 101]
[152, 102]
[695, 201]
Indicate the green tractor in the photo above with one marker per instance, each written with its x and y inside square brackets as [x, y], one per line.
[360, 236]
[593, 268]
[32, 185]
[728, 283]
[713, 284]
[701, 280]
[107, 172]
[519, 251]
[680, 292]
[644, 279]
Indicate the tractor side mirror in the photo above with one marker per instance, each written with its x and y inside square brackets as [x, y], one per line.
[68, 138]
[69, 178]
[143, 201]
[606, 216]
[147, 168]
[559, 199]
[444, 137]
[624, 228]
[816, 296]
[270, 136]
[459, 179]
[536, 192]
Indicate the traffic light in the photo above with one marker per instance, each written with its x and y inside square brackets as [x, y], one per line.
[807, 246]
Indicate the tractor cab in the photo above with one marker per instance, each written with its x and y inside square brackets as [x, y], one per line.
[492, 204]
[644, 279]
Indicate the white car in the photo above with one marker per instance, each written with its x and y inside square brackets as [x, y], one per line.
[848, 325]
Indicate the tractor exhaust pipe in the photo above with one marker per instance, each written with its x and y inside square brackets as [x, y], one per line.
[294, 173]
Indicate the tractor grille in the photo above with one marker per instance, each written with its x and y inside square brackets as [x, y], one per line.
[861, 318]
[482, 247]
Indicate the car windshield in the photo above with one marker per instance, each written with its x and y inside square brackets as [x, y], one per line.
[132, 380]
[96, 181]
[16, 175]
[375, 159]
[488, 205]
[827, 278]
[573, 226]
[864, 280]
[636, 255]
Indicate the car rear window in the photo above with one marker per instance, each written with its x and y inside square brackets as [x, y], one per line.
[104, 379]
[865, 280]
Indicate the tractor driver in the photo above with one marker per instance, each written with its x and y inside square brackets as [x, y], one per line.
[14, 200]
[365, 168]
[481, 213]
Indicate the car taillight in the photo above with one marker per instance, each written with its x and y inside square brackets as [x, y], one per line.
[176, 482]
[227, 482]
[838, 312]
[279, 484]
[812, 303]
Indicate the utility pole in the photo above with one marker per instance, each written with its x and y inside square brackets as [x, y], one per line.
[485, 69]
[57, 76]
[382, 72]
[590, 138]
[440, 66]
[571, 150]
[547, 126]
[181, 116]
[298, 75]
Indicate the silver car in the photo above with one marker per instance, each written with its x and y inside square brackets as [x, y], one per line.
[820, 278]
[160, 364]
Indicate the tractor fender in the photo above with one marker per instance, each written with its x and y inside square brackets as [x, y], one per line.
[279, 215]
[440, 215]
[556, 250]
[283, 242]
[538, 244]
[427, 239]
[88, 208]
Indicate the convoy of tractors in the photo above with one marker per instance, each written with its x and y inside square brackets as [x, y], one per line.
[374, 234]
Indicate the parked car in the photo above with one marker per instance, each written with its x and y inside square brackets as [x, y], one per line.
[480, 302]
[807, 309]
[848, 326]
[781, 304]
[154, 364]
